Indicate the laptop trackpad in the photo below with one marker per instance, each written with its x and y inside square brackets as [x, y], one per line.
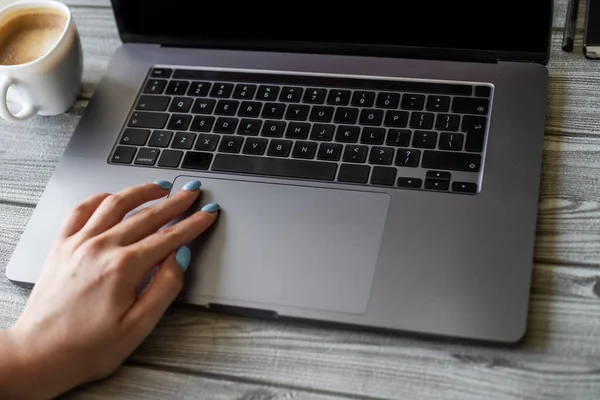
[280, 245]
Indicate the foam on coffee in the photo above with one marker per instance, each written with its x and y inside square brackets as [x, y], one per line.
[29, 35]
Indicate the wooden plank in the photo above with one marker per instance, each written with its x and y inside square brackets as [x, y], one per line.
[559, 358]
[133, 383]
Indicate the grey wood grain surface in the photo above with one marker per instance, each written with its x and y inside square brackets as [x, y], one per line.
[197, 355]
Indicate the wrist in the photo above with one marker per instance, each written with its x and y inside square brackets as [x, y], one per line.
[24, 375]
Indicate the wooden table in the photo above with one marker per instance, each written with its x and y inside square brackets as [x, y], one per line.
[197, 355]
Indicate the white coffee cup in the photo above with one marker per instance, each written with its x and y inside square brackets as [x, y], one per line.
[41, 64]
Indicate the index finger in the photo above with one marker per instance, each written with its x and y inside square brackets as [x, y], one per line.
[155, 248]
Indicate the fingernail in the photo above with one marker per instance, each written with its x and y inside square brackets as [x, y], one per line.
[183, 257]
[164, 184]
[211, 208]
[192, 185]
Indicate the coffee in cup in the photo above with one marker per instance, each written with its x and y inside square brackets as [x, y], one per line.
[41, 60]
[30, 35]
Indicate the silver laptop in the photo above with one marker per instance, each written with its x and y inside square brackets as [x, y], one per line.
[377, 169]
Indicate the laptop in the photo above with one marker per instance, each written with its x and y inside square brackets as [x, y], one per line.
[375, 169]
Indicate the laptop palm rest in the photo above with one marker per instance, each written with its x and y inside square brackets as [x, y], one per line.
[289, 246]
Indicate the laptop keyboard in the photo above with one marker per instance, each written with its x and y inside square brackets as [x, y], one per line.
[389, 133]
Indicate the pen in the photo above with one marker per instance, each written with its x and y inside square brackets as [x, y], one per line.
[570, 25]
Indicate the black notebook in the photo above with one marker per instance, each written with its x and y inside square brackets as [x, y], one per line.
[591, 38]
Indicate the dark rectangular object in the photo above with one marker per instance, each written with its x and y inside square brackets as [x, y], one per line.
[591, 35]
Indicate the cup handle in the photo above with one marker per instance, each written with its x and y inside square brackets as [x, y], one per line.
[27, 111]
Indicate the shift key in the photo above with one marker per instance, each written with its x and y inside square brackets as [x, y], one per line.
[142, 119]
[452, 161]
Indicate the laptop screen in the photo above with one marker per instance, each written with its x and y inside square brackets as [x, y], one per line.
[498, 27]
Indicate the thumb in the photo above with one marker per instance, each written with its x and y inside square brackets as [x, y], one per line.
[163, 289]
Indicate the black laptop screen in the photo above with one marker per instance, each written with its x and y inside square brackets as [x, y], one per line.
[507, 26]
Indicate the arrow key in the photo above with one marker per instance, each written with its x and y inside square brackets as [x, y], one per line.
[436, 184]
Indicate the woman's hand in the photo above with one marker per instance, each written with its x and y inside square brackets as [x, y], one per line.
[84, 316]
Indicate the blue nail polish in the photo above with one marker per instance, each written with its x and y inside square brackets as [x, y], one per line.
[183, 257]
[164, 184]
[192, 185]
[211, 208]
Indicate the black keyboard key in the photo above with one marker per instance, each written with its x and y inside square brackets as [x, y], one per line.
[227, 107]
[179, 122]
[249, 127]
[231, 144]
[155, 86]
[436, 184]
[304, 150]
[384, 176]
[474, 127]
[207, 142]
[355, 153]
[413, 183]
[273, 129]
[161, 73]
[196, 160]
[256, 146]
[177, 88]
[354, 173]
[322, 132]
[363, 99]
[123, 154]
[273, 110]
[183, 140]
[170, 158]
[372, 135]
[470, 105]
[438, 103]
[135, 137]
[447, 122]
[160, 139]
[153, 103]
[347, 134]
[396, 119]
[221, 90]
[146, 156]
[202, 123]
[199, 89]
[413, 101]
[346, 115]
[483, 91]
[250, 109]
[297, 112]
[204, 106]
[289, 168]
[267, 93]
[330, 151]
[321, 114]
[408, 158]
[464, 187]
[143, 119]
[314, 96]
[290, 94]
[424, 139]
[225, 125]
[244, 92]
[338, 97]
[181, 104]
[441, 175]
[452, 161]
[369, 116]
[421, 120]
[297, 130]
[451, 141]
[381, 155]
[398, 137]
[388, 100]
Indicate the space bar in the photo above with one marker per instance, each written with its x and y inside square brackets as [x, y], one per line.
[275, 167]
